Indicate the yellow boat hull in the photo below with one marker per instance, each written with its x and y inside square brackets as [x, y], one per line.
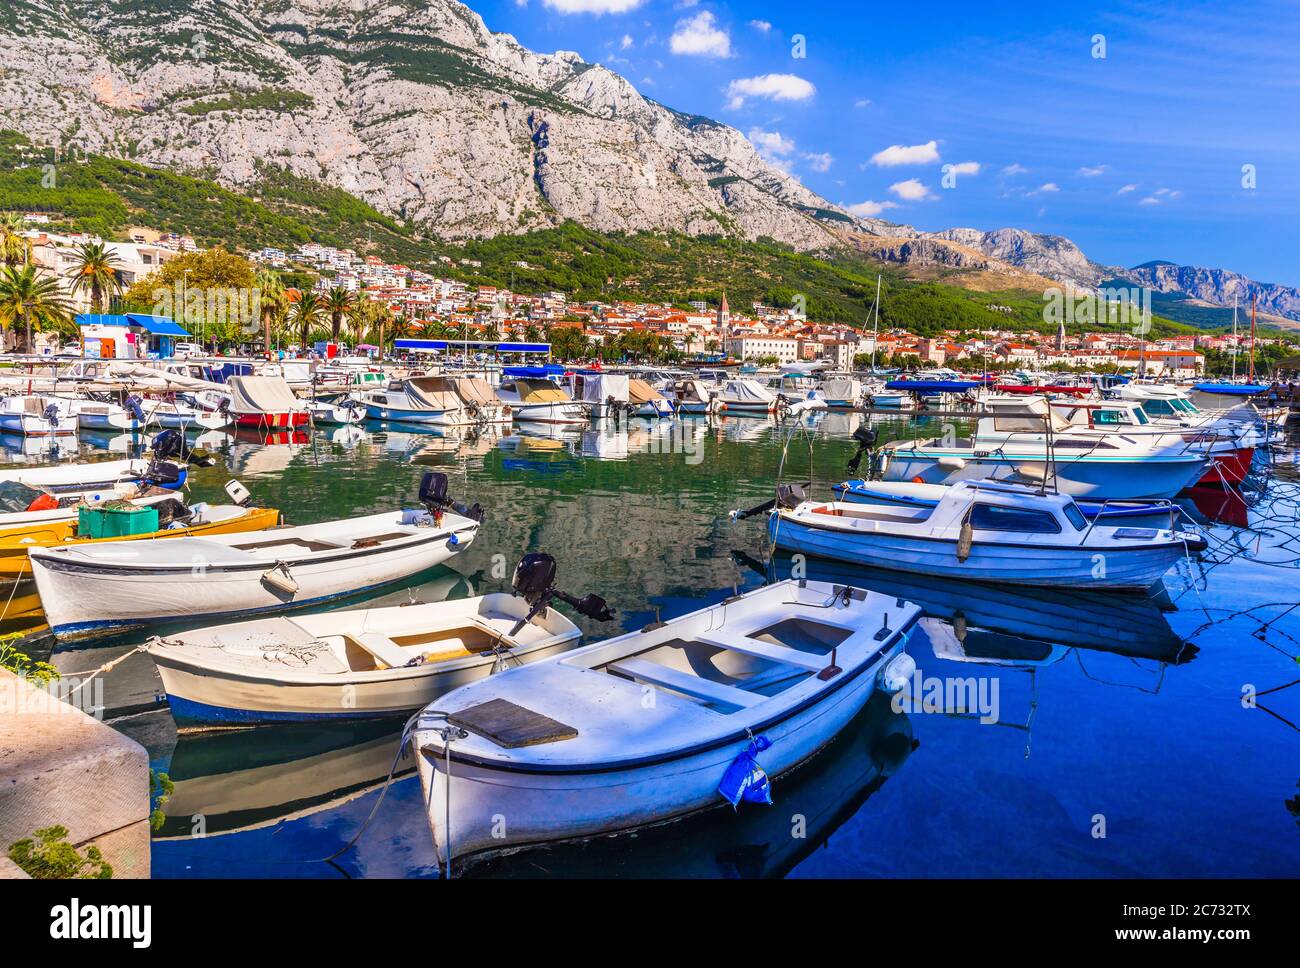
[14, 542]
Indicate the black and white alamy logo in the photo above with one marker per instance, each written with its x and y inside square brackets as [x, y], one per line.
[78, 922]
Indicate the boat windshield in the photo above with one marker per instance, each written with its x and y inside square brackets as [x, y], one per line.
[995, 517]
[1163, 408]
[1075, 517]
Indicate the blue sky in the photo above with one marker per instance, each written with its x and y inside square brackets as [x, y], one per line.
[1135, 155]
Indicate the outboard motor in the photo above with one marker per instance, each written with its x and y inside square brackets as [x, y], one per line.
[132, 405]
[866, 438]
[433, 495]
[170, 445]
[534, 582]
[51, 415]
[788, 496]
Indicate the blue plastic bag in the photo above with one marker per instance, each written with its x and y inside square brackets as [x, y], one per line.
[745, 779]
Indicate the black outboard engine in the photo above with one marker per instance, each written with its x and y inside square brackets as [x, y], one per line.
[132, 405]
[788, 496]
[433, 495]
[52, 415]
[534, 582]
[866, 438]
[170, 445]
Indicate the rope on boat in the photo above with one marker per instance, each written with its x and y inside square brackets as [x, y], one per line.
[90, 674]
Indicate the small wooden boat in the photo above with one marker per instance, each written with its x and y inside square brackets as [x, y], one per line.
[173, 519]
[102, 587]
[358, 664]
[984, 531]
[265, 402]
[643, 728]
[37, 416]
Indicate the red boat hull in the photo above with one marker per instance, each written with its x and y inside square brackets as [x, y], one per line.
[294, 418]
[1230, 467]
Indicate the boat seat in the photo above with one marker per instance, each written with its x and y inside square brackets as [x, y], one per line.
[658, 675]
[382, 648]
[765, 650]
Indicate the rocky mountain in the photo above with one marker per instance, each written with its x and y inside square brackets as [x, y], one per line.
[412, 105]
[416, 107]
[1218, 287]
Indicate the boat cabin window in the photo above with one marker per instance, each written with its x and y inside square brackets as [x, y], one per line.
[1162, 408]
[1110, 418]
[1075, 517]
[993, 517]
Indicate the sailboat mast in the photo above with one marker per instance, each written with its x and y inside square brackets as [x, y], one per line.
[1252, 337]
[875, 336]
[1235, 347]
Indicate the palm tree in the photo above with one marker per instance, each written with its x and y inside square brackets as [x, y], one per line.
[34, 300]
[98, 269]
[15, 249]
[272, 300]
[338, 303]
[307, 313]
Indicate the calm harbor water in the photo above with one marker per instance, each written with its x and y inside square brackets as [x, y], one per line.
[1122, 746]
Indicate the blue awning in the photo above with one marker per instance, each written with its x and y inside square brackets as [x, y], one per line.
[430, 345]
[932, 386]
[1232, 389]
[157, 325]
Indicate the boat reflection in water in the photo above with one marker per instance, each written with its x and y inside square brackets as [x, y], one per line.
[810, 804]
[240, 781]
[1015, 626]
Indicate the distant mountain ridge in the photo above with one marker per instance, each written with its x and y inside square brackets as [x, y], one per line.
[417, 108]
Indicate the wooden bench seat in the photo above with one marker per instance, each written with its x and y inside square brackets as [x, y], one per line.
[658, 675]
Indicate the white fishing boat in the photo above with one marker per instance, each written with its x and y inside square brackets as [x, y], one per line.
[1026, 437]
[876, 395]
[982, 531]
[540, 400]
[37, 416]
[656, 724]
[341, 413]
[107, 415]
[100, 588]
[264, 402]
[357, 664]
[442, 401]
[694, 397]
[178, 415]
[745, 396]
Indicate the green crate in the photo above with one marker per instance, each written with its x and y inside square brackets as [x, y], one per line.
[115, 521]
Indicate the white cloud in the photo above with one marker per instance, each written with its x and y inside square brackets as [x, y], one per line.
[862, 102]
[910, 190]
[626, 42]
[700, 36]
[965, 168]
[1093, 172]
[777, 87]
[1161, 195]
[819, 161]
[1014, 169]
[1150, 200]
[597, 7]
[1126, 189]
[1048, 188]
[771, 144]
[870, 209]
[896, 155]
[762, 26]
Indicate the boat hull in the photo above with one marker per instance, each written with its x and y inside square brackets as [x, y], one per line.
[558, 806]
[1017, 564]
[1094, 477]
[199, 695]
[551, 413]
[76, 594]
[34, 425]
[292, 418]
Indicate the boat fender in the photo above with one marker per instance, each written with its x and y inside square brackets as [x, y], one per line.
[965, 539]
[453, 541]
[895, 676]
[279, 579]
[745, 779]
[951, 463]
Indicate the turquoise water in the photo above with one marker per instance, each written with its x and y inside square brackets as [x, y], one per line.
[1122, 746]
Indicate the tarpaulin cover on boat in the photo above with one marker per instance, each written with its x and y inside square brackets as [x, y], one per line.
[1018, 415]
[641, 392]
[690, 391]
[474, 390]
[742, 390]
[260, 394]
[841, 389]
[599, 387]
[432, 393]
[540, 391]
